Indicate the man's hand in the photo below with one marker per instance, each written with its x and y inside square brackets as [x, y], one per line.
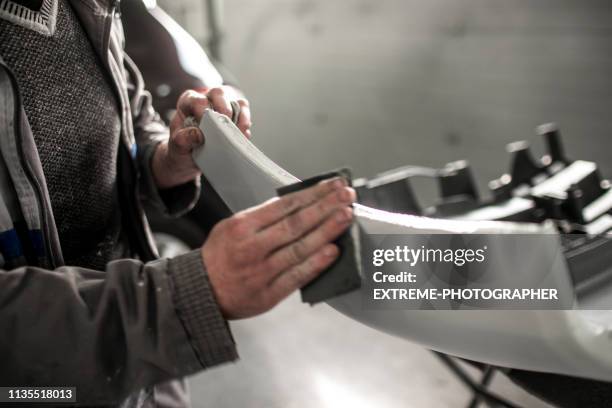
[172, 163]
[259, 256]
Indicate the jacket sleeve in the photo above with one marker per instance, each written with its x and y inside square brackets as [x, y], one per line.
[110, 333]
[149, 131]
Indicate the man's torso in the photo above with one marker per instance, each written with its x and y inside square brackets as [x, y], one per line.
[76, 125]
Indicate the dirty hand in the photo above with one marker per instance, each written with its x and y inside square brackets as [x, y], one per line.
[172, 163]
[259, 256]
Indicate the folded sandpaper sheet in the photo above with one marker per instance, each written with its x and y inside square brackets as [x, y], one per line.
[344, 275]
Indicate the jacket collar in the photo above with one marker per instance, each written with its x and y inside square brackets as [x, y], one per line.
[96, 17]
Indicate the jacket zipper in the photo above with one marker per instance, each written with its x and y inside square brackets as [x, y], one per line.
[144, 246]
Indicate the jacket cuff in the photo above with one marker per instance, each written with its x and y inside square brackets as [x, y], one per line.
[174, 201]
[198, 311]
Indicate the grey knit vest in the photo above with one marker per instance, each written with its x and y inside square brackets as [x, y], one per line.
[76, 125]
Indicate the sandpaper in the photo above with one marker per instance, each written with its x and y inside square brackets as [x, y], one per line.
[344, 275]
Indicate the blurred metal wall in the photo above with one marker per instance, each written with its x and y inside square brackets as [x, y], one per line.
[191, 14]
[377, 84]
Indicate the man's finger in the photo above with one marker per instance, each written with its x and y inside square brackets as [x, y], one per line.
[301, 274]
[192, 103]
[275, 209]
[306, 219]
[187, 139]
[244, 119]
[296, 252]
[219, 101]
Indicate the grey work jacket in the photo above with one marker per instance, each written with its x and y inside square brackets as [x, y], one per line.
[116, 333]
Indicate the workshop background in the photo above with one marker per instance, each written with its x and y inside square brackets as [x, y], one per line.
[376, 84]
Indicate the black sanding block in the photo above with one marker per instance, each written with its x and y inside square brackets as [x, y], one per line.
[344, 275]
